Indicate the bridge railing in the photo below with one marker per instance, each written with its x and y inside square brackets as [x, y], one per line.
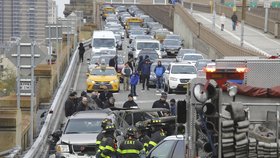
[222, 45]
[40, 146]
[14, 152]
[137, 1]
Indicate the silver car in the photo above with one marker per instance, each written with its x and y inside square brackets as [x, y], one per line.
[78, 138]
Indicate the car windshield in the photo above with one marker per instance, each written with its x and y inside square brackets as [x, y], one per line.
[201, 64]
[107, 59]
[137, 32]
[181, 69]
[143, 37]
[134, 23]
[185, 51]
[76, 126]
[103, 72]
[171, 42]
[152, 56]
[148, 45]
[192, 57]
[173, 37]
[102, 42]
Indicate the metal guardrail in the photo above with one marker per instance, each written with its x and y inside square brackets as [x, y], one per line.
[40, 146]
[14, 152]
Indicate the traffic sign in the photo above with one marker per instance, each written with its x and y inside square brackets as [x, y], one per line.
[25, 55]
[53, 32]
[266, 4]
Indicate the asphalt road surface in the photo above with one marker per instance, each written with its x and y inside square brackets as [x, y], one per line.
[144, 99]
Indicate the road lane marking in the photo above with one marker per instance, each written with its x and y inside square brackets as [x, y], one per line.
[235, 36]
[77, 77]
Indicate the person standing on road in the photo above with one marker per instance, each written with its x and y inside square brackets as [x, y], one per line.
[110, 103]
[105, 95]
[161, 103]
[107, 146]
[81, 52]
[113, 62]
[101, 134]
[70, 106]
[173, 107]
[146, 70]
[234, 20]
[126, 72]
[83, 105]
[130, 103]
[134, 78]
[143, 137]
[158, 134]
[139, 67]
[222, 21]
[159, 71]
[131, 147]
[98, 102]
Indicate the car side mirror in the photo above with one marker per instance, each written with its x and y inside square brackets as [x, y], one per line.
[87, 74]
[133, 49]
[167, 71]
[90, 46]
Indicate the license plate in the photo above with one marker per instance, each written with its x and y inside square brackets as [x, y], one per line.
[103, 87]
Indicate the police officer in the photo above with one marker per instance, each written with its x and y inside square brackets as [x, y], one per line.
[131, 147]
[107, 145]
[158, 133]
[102, 133]
[142, 135]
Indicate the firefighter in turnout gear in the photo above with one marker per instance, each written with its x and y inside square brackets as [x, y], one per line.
[102, 133]
[107, 147]
[158, 133]
[131, 147]
[142, 135]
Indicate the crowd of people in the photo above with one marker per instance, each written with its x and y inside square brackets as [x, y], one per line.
[137, 142]
[105, 99]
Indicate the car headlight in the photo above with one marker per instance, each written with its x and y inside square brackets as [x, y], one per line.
[173, 79]
[89, 80]
[114, 81]
[62, 148]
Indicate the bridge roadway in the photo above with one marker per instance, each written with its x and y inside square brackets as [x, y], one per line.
[145, 99]
[254, 38]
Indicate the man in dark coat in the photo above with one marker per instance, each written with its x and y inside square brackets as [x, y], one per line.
[130, 103]
[110, 103]
[234, 20]
[161, 103]
[81, 52]
[83, 105]
[70, 106]
[113, 62]
[98, 102]
[105, 95]
[145, 72]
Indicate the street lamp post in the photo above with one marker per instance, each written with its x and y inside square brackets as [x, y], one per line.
[214, 15]
[242, 21]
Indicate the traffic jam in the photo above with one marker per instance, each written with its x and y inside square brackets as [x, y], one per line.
[132, 52]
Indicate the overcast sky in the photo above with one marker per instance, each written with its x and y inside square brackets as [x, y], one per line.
[60, 4]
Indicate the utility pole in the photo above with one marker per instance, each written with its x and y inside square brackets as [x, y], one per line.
[50, 45]
[214, 15]
[242, 21]
[266, 6]
[32, 94]
[68, 42]
[57, 56]
[18, 128]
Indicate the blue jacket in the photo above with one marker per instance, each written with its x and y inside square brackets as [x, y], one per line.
[146, 69]
[159, 70]
[134, 78]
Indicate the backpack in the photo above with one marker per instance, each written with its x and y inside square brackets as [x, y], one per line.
[159, 71]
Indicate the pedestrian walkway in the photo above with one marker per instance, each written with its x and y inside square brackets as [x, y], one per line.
[254, 38]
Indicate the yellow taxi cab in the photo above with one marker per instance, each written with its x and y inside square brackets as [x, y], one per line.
[107, 10]
[103, 78]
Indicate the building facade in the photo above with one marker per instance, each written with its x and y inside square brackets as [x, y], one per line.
[52, 19]
[23, 17]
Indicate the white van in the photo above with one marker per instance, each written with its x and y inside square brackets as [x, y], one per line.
[103, 40]
[146, 44]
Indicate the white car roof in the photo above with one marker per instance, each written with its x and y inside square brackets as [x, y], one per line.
[182, 63]
[175, 137]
